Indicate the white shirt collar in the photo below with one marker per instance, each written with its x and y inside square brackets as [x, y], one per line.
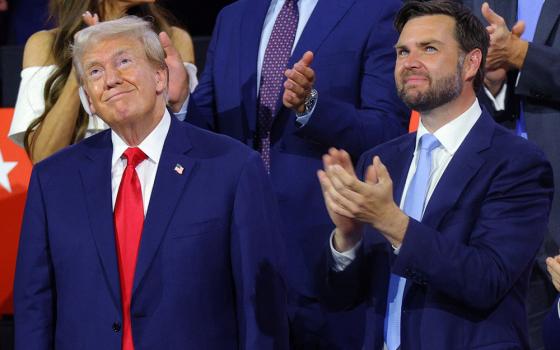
[152, 145]
[452, 134]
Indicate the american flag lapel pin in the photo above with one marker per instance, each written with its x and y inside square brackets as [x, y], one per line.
[179, 169]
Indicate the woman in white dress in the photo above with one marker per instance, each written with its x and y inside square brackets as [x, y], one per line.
[48, 114]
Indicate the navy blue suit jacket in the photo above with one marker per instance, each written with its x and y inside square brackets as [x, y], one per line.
[467, 263]
[357, 109]
[207, 275]
[551, 328]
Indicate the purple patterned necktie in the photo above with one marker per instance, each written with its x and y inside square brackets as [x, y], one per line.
[276, 56]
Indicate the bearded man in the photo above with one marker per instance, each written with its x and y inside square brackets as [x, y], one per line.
[440, 234]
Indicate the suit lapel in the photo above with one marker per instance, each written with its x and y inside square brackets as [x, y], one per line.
[461, 169]
[402, 161]
[168, 188]
[547, 20]
[250, 36]
[96, 179]
[465, 164]
[323, 20]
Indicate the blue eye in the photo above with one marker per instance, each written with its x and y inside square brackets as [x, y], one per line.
[402, 52]
[124, 61]
[431, 49]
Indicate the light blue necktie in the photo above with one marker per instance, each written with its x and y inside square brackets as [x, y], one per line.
[413, 207]
[528, 11]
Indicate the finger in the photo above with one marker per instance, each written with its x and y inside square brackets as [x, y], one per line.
[167, 45]
[491, 29]
[302, 76]
[307, 58]
[371, 175]
[345, 161]
[381, 169]
[89, 19]
[296, 88]
[518, 29]
[290, 99]
[491, 16]
[346, 180]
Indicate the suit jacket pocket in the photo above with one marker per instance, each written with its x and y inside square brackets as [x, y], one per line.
[197, 229]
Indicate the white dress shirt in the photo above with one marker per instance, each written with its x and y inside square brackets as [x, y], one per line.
[450, 136]
[146, 170]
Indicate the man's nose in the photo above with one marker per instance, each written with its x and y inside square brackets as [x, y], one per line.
[411, 60]
[112, 77]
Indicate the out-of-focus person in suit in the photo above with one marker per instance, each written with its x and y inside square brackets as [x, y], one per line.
[551, 324]
[338, 91]
[521, 83]
[440, 232]
[48, 114]
[154, 234]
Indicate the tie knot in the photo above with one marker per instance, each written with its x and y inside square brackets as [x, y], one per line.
[134, 156]
[428, 142]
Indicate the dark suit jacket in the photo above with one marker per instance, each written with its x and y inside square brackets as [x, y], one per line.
[551, 329]
[538, 85]
[207, 270]
[467, 263]
[357, 109]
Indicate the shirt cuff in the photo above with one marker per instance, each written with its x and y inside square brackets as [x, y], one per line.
[193, 82]
[342, 260]
[558, 307]
[303, 119]
[499, 101]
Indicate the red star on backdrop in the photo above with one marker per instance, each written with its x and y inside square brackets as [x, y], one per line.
[15, 170]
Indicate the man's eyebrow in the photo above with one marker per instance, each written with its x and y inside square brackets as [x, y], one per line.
[117, 53]
[423, 43]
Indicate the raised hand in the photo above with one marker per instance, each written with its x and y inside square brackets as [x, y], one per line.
[178, 89]
[299, 82]
[507, 50]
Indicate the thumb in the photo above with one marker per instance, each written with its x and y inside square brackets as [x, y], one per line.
[491, 16]
[165, 42]
[307, 58]
[371, 175]
[381, 169]
[518, 29]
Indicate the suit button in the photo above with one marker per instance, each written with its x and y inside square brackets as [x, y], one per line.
[116, 327]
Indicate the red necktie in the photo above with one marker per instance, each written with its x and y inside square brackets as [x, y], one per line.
[129, 220]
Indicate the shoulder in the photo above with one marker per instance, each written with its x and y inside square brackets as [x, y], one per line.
[182, 41]
[207, 144]
[38, 49]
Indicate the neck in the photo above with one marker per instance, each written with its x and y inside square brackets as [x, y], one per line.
[439, 116]
[134, 133]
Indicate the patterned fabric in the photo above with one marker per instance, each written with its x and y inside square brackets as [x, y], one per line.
[277, 54]
[129, 221]
[413, 207]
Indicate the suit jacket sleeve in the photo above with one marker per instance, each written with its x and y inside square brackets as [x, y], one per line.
[480, 268]
[256, 253]
[201, 108]
[379, 115]
[540, 74]
[34, 289]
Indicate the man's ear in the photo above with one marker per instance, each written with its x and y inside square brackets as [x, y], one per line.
[86, 101]
[161, 76]
[472, 63]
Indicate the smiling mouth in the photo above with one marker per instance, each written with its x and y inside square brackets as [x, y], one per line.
[120, 93]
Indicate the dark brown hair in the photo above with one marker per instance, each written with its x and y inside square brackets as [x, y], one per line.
[470, 33]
